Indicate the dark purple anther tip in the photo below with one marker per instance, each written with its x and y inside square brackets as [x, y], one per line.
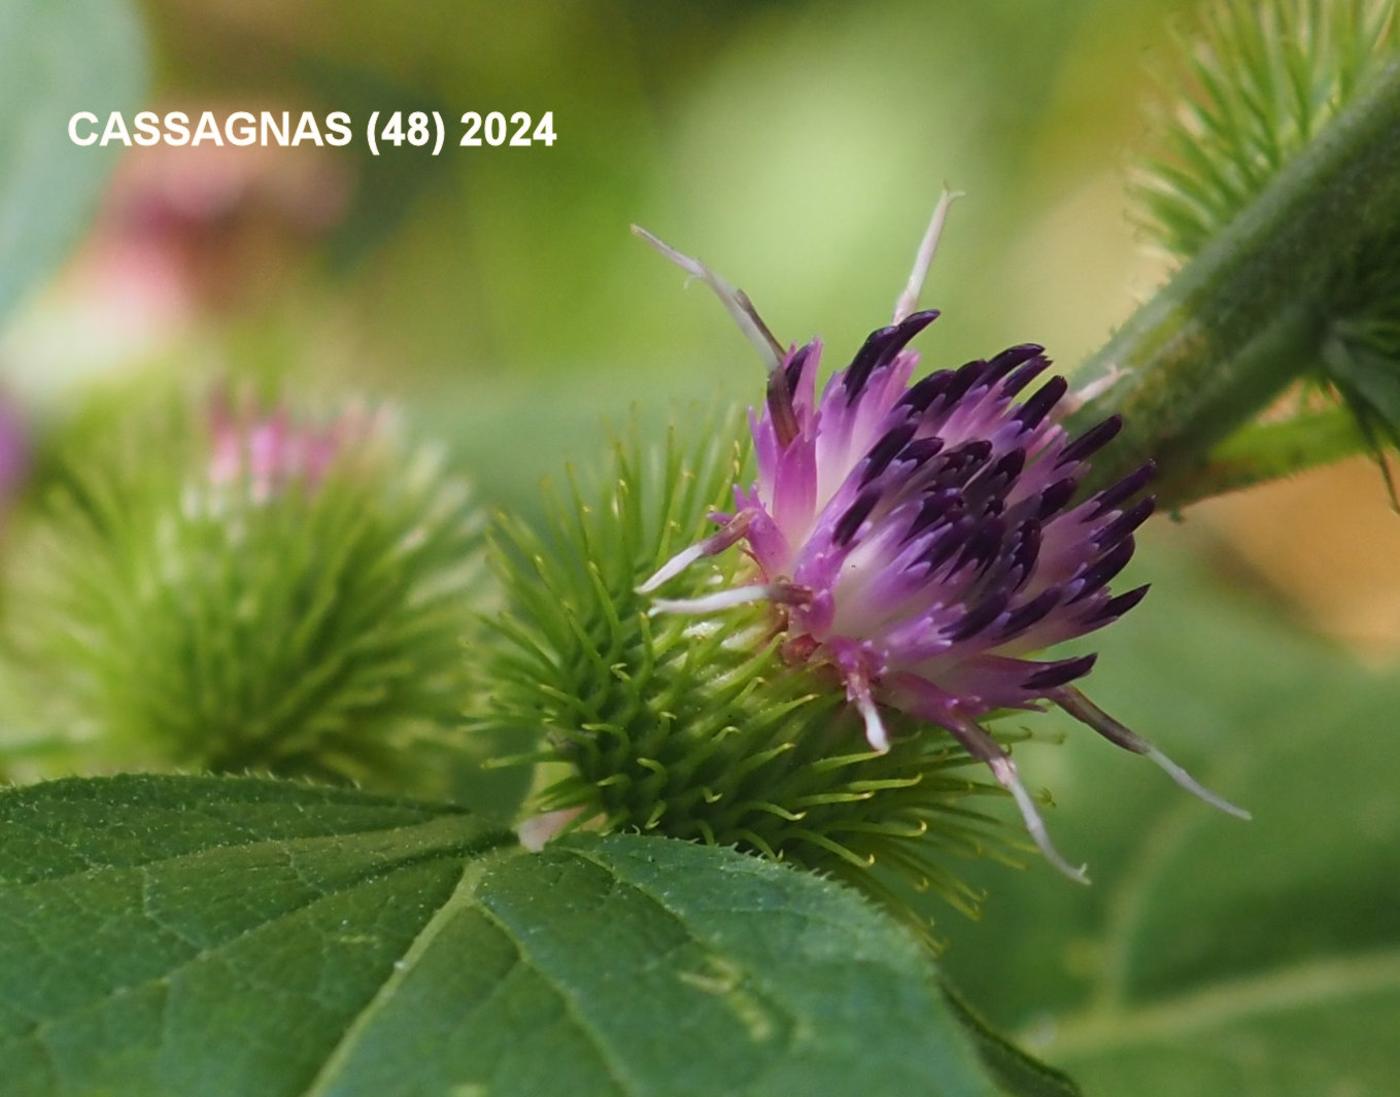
[1125, 489]
[1126, 522]
[1058, 674]
[857, 513]
[1034, 611]
[922, 394]
[1009, 359]
[796, 364]
[1119, 605]
[977, 618]
[1102, 570]
[1053, 498]
[1038, 406]
[885, 450]
[1091, 441]
[1024, 375]
[922, 450]
[963, 379]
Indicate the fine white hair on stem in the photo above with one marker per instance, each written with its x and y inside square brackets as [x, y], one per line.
[735, 301]
[1077, 398]
[923, 259]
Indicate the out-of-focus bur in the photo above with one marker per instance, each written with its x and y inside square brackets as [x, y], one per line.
[236, 587]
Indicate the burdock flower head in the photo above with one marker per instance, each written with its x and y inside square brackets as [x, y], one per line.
[924, 540]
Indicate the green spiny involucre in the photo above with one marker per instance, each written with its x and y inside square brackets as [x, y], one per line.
[701, 730]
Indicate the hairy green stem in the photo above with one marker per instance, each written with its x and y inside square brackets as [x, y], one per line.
[1250, 313]
[1268, 451]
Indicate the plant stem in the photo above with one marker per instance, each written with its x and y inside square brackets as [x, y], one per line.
[1249, 314]
[1268, 451]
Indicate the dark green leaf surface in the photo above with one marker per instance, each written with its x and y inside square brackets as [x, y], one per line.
[1016, 1072]
[1212, 958]
[187, 936]
[56, 57]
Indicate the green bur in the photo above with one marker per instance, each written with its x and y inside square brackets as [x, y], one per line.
[699, 728]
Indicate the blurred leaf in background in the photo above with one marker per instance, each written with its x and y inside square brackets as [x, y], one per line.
[797, 146]
[49, 69]
[1212, 957]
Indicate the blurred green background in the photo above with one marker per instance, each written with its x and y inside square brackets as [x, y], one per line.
[497, 297]
[798, 147]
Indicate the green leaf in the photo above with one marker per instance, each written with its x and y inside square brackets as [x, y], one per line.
[1213, 957]
[186, 936]
[57, 57]
[1017, 1073]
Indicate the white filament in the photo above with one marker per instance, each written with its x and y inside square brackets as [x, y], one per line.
[734, 300]
[923, 259]
[875, 732]
[1191, 785]
[1005, 772]
[712, 603]
[673, 567]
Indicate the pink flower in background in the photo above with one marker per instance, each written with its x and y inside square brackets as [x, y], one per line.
[271, 450]
[14, 454]
[194, 231]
